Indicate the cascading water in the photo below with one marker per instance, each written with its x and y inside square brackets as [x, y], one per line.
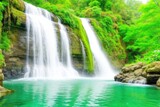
[84, 55]
[42, 44]
[103, 68]
[65, 49]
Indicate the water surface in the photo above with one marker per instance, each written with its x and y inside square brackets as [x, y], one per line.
[79, 93]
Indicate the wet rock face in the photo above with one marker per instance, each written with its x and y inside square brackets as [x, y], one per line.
[140, 73]
[15, 58]
[14, 73]
[76, 50]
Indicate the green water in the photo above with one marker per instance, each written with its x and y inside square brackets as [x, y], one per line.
[79, 93]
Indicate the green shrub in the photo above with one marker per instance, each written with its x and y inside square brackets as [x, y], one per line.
[5, 42]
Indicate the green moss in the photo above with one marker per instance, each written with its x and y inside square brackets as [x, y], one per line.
[0, 29]
[5, 42]
[18, 4]
[82, 35]
[18, 16]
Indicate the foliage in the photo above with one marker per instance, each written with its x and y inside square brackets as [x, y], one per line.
[149, 57]
[118, 24]
[111, 42]
[3, 3]
[5, 42]
[143, 38]
[110, 19]
[1, 60]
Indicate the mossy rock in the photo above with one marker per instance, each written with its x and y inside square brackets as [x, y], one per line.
[19, 18]
[4, 91]
[132, 67]
[158, 82]
[153, 68]
[18, 4]
[75, 43]
[83, 36]
[1, 77]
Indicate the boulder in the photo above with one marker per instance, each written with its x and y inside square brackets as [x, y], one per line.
[153, 68]
[132, 74]
[119, 77]
[140, 80]
[153, 72]
[15, 58]
[138, 72]
[132, 67]
[4, 91]
[158, 82]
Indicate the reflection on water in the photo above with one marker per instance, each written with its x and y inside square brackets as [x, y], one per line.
[79, 93]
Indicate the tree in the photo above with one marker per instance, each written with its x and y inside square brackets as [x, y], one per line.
[144, 37]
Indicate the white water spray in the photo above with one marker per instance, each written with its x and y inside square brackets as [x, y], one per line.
[42, 39]
[103, 69]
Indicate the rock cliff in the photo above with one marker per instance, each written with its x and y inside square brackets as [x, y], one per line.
[15, 23]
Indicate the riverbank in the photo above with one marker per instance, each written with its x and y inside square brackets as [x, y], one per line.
[3, 91]
[140, 73]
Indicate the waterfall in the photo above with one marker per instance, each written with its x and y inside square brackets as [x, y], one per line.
[43, 46]
[103, 68]
[65, 48]
[84, 55]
